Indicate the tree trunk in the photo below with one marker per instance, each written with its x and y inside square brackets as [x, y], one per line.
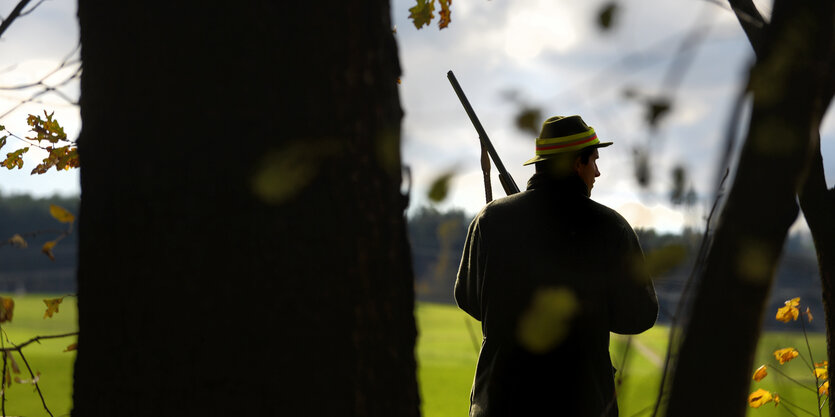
[724, 324]
[242, 239]
[818, 204]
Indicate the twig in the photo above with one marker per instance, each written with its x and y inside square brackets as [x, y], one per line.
[17, 348]
[37, 387]
[11, 18]
[31, 9]
[3, 379]
[774, 368]
[811, 362]
[783, 400]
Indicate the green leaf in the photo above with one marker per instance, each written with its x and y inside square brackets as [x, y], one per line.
[422, 13]
[440, 188]
[606, 16]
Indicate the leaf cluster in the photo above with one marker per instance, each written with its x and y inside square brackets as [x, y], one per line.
[44, 129]
[424, 11]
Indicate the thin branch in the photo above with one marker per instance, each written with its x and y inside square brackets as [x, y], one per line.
[31, 9]
[797, 406]
[11, 18]
[17, 348]
[776, 369]
[37, 387]
[752, 22]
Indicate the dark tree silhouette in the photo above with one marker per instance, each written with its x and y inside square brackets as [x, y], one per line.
[791, 87]
[242, 239]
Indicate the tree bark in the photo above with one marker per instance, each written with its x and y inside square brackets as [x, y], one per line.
[242, 239]
[728, 308]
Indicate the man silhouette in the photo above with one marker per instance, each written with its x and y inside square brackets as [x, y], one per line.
[549, 273]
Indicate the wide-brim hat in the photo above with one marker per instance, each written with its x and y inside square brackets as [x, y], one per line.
[564, 134]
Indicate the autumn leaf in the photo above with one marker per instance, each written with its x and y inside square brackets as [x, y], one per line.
[47, 249]
[821, 373]
[760, 373]
[49, 129]
[445, 13]
[776, 399]
[52, 306]
[3, 138]
[18, 241]
[788, 312]
[824, 364]
[71, 347]
[12, 362]
[824, 389]
[809, 314]
[785, 355]
[14, 159]
[759, 397]
[61, 214]
[6, 309]
[421, 14]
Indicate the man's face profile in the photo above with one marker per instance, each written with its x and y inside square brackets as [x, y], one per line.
[588, 172]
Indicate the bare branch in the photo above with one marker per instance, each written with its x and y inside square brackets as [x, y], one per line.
[752, 22]
[31, 9]
[12, 16]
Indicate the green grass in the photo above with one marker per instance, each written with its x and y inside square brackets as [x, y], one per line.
[47, 357]
[447, 359]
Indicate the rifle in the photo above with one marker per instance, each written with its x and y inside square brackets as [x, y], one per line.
[504, 177]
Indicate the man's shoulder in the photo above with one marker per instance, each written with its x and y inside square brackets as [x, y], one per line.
[607, 216]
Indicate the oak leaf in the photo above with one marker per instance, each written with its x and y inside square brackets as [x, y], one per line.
[47, 249]
[445, 13]
[760, 373]
[61, 214]
[421, 14]
[759, 397]
[18, 241]
[52, 306]
[785, 355]
[6, 309]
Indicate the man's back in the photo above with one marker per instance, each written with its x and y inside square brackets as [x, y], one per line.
[550, 273]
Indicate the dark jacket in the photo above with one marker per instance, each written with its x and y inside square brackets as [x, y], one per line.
[549, 273]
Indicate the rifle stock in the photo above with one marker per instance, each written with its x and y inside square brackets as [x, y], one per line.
[507, 181]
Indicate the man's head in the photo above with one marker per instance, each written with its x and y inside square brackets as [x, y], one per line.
[567, 146]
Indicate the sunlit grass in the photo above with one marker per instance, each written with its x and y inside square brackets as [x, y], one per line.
[447, 358]
[47, 357]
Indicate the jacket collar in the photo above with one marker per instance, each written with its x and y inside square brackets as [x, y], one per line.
[572, 184]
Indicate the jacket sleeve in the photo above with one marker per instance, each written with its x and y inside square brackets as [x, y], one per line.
[633, 305]
[470, 279]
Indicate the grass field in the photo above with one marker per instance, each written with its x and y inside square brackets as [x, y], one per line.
[47, 357]
[447, 356]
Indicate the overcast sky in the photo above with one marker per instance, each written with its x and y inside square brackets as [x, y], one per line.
[550, 53]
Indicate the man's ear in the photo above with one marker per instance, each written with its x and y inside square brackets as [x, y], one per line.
[577, 165]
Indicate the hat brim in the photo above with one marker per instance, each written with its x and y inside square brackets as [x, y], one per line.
[540, 158]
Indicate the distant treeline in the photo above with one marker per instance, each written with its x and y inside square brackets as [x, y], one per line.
[27, 269]
[437, 240]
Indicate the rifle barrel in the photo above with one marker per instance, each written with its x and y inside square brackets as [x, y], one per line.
[507, 181]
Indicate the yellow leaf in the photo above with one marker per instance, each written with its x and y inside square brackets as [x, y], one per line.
[18, 241]
[759, 397]
[52, 306]
[821, 373]
[809, 314]
[47, 248]
[445, 13]
[824, 389]
[788, 312]
[760, 373]
[824, 364]
[776, 399]
[548, 319]
[61, 214]
[71, 347]
[6, 309]
[785, 355]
